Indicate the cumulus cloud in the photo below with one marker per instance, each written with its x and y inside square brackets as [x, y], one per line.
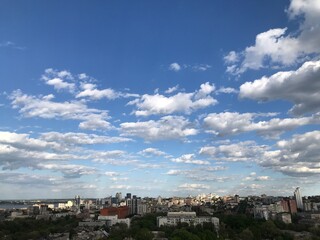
[53, 152]
[148, 152]
[111, 174]
[228, 123]
[175, 172]
[231, 57]
[21, 150]
[80, 85]
[24, 141]
[91, 91]
[168, 127]
[172, 89]
[77, 138]
[59, 79]
[68, 170]
[298, 156]
[257, 178]
[193, 186]
[300, 87]
[29, 179]
[190, 159]
[201, 67]
[112, 157]
[175, 67]
[179, 103]
[234, 152]
[44, 107]
[276, 47]
[227, 90]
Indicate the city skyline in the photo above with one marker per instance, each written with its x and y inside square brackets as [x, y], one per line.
[169, 98]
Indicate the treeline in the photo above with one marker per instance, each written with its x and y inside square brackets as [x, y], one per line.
[239, 227]
[30, 228]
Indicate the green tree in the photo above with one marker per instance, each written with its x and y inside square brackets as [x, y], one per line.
[246, 235]
[144, 234]
[183, 234]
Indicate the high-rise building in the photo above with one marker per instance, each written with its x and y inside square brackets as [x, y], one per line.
[298, 198]
[119, 196]
[136, 206]
[128, 196]
[77, 200]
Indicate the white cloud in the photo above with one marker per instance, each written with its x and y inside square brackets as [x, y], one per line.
[152, 152]
[193, 186]
[59, 79]
[23, 141]
[262, 178]
[172, 89]
[69, 170]
[90, 90]
[20, 150]
[120, 187]
[298, 156]
[111, 174]
[95, 123]
[228, 123]
[175, 67]
[233, 152]
[174, 172]
[201, 67]
[216, 168]
[148, 165]
[44, 107]
[168, 127]
[80, 85]
[227, 90]
[180, 102]
[300, 87]
[189, 158]
[9, 44]
[77, 138]
[231, 57]
[112, 157]
[278, 48]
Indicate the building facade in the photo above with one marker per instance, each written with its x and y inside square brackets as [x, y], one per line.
[298, 198]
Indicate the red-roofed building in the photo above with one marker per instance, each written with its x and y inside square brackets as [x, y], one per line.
[122, 212]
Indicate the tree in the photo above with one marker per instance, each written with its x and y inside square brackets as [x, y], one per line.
[246, 235]
[183, 234]
[144, 234]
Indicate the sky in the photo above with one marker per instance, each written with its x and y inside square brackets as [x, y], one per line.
[169, 98]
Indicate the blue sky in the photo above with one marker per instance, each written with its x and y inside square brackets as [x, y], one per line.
[170, 98]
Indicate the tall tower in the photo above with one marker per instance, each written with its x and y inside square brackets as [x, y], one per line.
[119, 196]
[297, 196]
[77, 200]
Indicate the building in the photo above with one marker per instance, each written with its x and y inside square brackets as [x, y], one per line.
[175, 218]
[92, 224]
[298, 198]
[284, 217]
[120, 212]
[112, 220]
[261, 212]
[128, 196]
[77, 201]
[136, 207]
[119, 196]
[289, 205]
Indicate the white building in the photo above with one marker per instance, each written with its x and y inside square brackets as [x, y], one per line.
[298, 198]
[112, 220]
[261, 212]
[174, 218]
